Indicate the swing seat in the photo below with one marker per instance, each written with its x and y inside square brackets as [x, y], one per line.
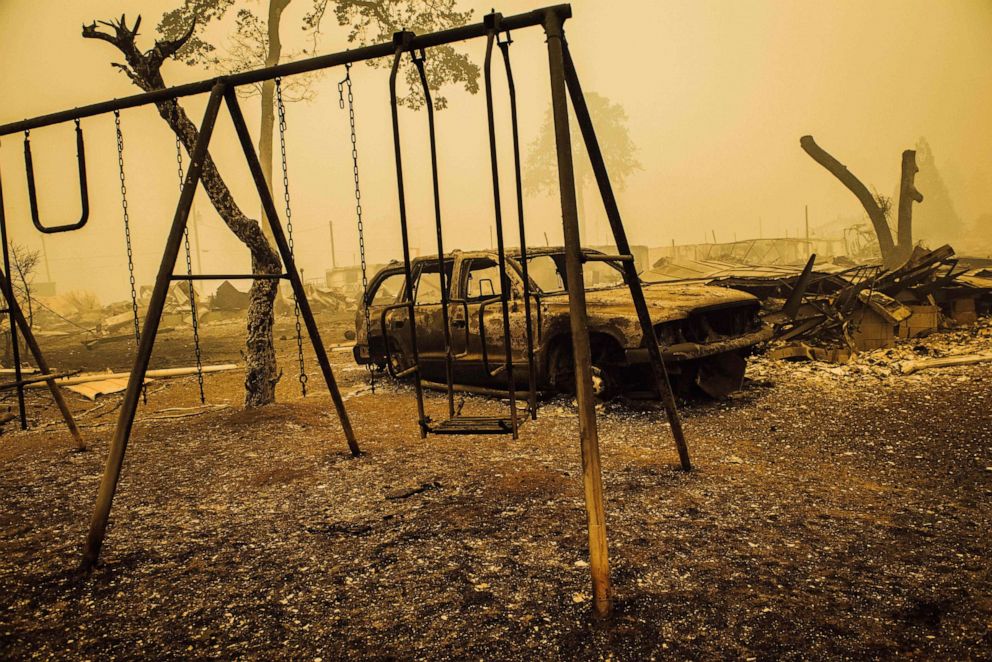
[475, 425]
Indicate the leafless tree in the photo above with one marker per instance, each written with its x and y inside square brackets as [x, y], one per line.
[25, 261]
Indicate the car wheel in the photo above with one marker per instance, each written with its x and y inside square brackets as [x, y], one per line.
[397, 359]
[605, 384]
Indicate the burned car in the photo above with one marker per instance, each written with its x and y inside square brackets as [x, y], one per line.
[705, 332]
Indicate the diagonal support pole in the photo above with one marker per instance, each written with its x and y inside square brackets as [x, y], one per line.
[18, 316]
[8, 294]
[129, 406]
[623, 247]
[244, 137]
[592, 479]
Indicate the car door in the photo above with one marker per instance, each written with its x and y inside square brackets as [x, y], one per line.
[480, 342]
[427, 307]
[384, 290]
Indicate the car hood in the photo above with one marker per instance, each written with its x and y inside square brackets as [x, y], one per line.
[666, 301]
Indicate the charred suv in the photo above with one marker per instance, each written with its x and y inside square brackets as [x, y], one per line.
[705, 332]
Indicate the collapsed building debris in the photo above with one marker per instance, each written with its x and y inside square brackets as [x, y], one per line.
[829, 312]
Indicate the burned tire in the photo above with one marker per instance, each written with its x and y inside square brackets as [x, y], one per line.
[605, 376]
[397, 360]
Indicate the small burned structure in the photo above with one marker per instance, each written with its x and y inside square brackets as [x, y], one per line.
[705, 332]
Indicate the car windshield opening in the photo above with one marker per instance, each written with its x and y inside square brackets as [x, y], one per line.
[547, 273]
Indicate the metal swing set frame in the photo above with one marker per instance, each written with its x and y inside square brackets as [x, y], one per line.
[564, 85]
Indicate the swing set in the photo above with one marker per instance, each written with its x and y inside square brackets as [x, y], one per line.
[564, 85]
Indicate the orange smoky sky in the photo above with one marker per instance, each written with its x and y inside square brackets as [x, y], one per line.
[716, 93]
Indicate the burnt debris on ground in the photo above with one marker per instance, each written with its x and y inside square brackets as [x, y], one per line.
[836, 510]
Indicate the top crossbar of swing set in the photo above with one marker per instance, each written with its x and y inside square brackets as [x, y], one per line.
[387, 49]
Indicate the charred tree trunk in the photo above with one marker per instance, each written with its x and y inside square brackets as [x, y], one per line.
[887, 247]
[143, 69]
[268, 116]
[908, 194]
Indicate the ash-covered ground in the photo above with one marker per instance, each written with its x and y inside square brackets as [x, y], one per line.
[832, 513]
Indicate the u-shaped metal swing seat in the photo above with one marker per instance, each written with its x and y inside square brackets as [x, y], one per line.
[457, 424]
[84, 198]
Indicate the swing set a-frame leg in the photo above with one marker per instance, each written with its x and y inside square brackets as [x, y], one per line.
[18, 316]
[129, 406]
[623, 247]
[244, 137]
[592, 478]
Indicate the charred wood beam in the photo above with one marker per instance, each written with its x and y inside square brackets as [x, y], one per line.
[908, 194]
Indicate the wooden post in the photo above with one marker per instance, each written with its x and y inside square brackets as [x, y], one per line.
[591, 471]
[907, 196]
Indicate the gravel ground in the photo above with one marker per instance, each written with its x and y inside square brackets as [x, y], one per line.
[833, 513]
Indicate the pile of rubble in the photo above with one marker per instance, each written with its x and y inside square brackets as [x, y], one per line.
[867, 307]
[81, 312]
[832, 312]
[907, 359]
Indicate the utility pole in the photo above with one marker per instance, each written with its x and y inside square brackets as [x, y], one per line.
[196, 240]
[330, 227]
[44, 256]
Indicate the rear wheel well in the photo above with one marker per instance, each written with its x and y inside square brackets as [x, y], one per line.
[606, 352]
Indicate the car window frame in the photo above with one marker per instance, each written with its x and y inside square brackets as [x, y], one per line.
[377, 282]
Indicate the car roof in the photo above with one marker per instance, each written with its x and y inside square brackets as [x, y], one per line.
[510, 252]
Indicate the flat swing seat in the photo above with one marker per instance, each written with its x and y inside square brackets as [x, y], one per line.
[474, 425]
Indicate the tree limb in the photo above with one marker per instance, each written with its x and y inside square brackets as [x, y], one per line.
[164, 49]
[854, 185]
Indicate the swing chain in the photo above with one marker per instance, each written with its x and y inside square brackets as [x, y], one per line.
[127, 223]
[358, 213]
[281, 108]
[189, 272]
[127, 235]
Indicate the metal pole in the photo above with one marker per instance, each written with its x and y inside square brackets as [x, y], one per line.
[295, 277]
[18, 316]
[418, 61]
[330, 229]
[8, 293]
[623, 247]
[402, 40]
[591, 471]
[125, 421]
[504, 47]
[493, 21]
